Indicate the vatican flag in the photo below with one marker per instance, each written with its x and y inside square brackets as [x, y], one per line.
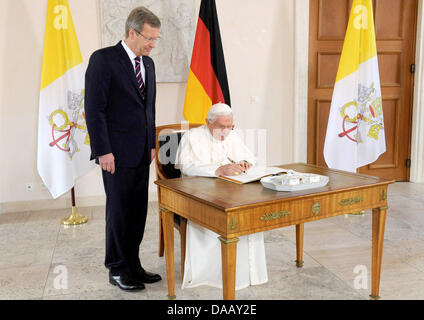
[355, 132]
[63, 141]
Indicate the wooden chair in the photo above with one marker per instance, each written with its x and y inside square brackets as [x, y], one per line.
[164, 162]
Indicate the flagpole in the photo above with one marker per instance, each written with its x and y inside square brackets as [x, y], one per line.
[74, 218]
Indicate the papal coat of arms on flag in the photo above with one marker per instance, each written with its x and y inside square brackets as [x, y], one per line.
[64, 125]
[365, 114]
[63, 141]
[355, 132]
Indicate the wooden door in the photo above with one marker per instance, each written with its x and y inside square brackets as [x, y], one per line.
[395, 26]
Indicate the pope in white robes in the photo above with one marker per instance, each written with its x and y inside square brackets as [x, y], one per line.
[209, 151]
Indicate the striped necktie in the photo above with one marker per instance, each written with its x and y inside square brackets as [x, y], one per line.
[139, 77]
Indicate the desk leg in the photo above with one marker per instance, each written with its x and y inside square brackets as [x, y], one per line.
[299, 245]
[229, 254]
[378, 225]
[168, 235]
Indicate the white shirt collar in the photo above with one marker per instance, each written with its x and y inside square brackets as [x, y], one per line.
[130, 53]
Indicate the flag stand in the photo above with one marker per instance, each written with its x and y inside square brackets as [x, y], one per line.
[74, 218]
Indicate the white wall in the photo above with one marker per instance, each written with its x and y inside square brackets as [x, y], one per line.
[258, 41]
[417, 139]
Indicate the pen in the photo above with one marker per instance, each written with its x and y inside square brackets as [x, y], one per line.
[232, 161]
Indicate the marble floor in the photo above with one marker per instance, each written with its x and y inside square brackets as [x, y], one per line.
[41, 259]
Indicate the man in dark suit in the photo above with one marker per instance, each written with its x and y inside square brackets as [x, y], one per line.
[120, 95]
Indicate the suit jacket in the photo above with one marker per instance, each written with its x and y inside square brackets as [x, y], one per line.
[118, 120]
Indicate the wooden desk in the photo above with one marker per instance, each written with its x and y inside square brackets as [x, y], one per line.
[233, 210]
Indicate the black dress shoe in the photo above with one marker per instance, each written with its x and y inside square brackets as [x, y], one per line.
[126, 283]
[147, 277]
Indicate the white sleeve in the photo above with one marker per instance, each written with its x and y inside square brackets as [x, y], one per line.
[199, 170]
[186, 159]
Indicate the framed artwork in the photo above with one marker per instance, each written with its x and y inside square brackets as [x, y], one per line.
[172, 54]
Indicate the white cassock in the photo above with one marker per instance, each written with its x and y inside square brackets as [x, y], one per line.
[200, 154]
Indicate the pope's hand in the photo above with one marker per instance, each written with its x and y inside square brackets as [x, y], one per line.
[107, 162]
[245, 165]
[231, 169]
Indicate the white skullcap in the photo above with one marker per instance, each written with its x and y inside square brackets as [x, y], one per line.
[219, 109]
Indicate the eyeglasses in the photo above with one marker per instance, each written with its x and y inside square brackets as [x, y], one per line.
[221, 127]
[151, 40]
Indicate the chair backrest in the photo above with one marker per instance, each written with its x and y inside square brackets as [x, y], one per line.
[169, 135]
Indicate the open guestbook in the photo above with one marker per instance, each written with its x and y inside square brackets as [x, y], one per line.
[253, 174]
[279, 179]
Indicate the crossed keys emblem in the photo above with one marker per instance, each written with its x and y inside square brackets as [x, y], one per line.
[366, 111]
[64, 127]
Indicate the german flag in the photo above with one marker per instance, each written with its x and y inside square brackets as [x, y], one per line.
[207, 80]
